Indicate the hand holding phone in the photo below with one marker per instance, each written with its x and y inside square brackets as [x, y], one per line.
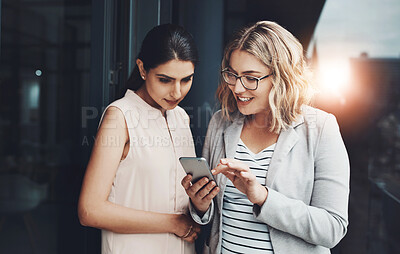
[200, 191]
[197, 167]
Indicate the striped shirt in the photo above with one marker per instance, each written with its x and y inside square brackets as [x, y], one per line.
[241, 232]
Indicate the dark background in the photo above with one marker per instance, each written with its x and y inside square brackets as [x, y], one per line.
[63, 61]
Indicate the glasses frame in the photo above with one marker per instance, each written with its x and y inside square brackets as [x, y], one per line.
[226, 70]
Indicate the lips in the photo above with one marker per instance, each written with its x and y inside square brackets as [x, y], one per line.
[243, 100]
[172, 102]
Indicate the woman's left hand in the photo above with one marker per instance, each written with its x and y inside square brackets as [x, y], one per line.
[240, 175]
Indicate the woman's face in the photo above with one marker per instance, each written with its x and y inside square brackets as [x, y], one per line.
[250, 102]
[167, 84]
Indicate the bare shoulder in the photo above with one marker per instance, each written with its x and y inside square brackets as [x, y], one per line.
[114, 123]
[113, 114]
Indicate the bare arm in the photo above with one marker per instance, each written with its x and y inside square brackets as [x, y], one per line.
[95, 210]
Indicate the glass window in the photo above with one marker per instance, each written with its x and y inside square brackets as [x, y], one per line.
[44, 77]
[355, 57]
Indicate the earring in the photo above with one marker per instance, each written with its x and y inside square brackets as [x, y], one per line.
[143, 77]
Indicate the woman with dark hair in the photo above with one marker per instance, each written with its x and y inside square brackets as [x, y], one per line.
[281, 165]
[131, 189]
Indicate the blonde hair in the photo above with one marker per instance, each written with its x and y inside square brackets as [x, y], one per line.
[280, 51]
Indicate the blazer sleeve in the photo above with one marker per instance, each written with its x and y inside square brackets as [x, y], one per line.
[323, 222]
[212, 126]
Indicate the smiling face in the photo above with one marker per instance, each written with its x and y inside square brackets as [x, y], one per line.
[167, 84]
[250, 102]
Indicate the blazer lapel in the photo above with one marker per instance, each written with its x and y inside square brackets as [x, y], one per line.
[232, 135]
[287, 139]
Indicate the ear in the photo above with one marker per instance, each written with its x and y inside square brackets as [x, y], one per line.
[141, 68]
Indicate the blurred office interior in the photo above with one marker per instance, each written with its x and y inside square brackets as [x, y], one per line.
[63, 61]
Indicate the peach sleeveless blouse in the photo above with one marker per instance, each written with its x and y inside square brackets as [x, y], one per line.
[149, 177]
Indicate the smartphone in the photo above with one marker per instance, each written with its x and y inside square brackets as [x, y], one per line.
[197, 167]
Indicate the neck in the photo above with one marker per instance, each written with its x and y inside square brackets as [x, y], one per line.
[259, 121]
[144, 94]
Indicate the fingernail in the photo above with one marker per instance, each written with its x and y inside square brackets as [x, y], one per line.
[212, 171]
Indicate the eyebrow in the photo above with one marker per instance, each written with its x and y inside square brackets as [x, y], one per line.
[245, 72]
[168, 77]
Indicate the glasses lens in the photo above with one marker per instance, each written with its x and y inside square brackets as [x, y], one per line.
[229, 77]
[250, 82]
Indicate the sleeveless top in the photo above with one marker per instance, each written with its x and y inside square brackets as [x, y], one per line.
[149, 178]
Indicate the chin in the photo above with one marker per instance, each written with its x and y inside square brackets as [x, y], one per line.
[169, 107]
[251, 111]
[245, 112]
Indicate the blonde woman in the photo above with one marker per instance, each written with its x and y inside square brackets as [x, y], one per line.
[281, 166]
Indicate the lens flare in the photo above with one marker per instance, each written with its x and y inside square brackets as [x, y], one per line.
[334, 76]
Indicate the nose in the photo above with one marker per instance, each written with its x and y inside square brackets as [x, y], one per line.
[176, 91]
[239, 88]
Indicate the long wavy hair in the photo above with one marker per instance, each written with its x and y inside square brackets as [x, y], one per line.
[161, 44]
[280, 51]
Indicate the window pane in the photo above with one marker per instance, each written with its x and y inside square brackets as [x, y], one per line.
[44, 73]
[355, 54]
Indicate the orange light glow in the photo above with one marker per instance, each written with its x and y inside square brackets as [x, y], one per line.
[335, 76]
[333, 79]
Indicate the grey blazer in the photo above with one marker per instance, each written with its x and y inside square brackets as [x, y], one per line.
[307, 182]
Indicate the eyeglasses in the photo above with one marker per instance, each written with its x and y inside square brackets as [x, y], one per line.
[248, 82]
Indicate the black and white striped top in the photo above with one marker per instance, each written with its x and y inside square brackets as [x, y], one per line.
[241, 232]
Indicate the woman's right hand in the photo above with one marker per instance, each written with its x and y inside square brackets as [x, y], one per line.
[186, 228]
[201, 192]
